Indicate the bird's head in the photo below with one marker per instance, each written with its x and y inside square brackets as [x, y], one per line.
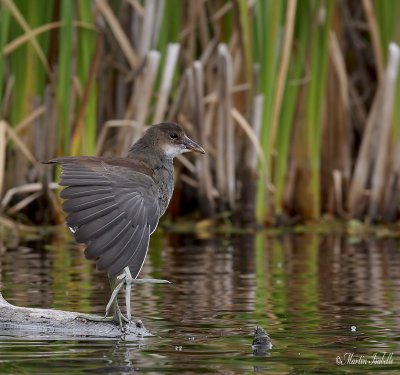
[171, 139]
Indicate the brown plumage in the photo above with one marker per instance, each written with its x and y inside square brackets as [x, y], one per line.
[114, 203]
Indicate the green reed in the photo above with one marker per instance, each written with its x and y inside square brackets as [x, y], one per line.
[4, 30]
[84, 71]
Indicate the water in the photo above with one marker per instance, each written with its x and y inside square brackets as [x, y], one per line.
[318, 297]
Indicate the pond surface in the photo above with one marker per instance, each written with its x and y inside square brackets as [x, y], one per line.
[322, 299]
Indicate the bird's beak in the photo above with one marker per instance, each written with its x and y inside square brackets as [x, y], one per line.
[193, 146]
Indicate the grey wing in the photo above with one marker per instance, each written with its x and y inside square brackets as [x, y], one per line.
[113, 215]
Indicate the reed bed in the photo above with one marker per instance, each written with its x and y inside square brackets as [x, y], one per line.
[295, 102]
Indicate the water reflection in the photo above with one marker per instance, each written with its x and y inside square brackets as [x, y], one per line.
[307, 291]
[208, 277]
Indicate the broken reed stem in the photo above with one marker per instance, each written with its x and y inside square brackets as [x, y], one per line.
[373, 26]
[251, 159]
[166, 83]
[143, 91]
[386, 109]
[204, 178]
[365, 161]
[226, 127]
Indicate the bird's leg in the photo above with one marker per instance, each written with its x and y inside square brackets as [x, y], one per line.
[113, 306]
[128, 288]
[116, 284]
[126, 279]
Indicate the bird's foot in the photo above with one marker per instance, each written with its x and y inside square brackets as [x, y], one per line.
[126, 279]
[118, 318]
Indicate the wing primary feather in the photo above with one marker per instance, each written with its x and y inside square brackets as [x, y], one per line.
[133, 207]
[83, 191]
[79, 182]
[124, 259]
[94, 229]
[105, 242]
[82, 217]
[82, 203]
[111, 255]
[79, 172]
[153, 226]
[114, 246]
[135, 265]
[140, 217]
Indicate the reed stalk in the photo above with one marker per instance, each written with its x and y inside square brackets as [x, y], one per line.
[387, 16]
[84, 135]
[387, 102]
[315, 103]
[170, 25]
[28, 64]
[284, 108]
[306, 154]
[65, 72]
[270, 88]
[268, 18]
[4, 30]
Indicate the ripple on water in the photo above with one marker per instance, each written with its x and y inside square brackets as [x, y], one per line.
[306, 291]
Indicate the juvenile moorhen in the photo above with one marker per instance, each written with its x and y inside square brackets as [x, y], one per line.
[114, 204]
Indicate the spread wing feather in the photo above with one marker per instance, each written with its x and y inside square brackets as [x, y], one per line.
[113, 209]
[141, 241]
[81, 191]
[99, 227]
[82, 203]
[78, 218]
[107, 240]
[115, 252]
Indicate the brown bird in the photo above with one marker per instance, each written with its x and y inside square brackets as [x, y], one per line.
[114, 204]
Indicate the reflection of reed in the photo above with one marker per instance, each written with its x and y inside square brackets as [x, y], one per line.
[331, 270]
[314, 288]
[300, 253]
[321, 283]
[50, 273]
[359, 274]
[207, 278]
[358, 285]
[24, 276]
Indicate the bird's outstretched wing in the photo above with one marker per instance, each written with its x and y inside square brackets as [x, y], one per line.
[112, 207]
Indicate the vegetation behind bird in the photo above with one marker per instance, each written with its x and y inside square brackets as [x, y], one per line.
[294, 102]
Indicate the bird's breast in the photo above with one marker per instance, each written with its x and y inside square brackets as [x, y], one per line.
[165, 180]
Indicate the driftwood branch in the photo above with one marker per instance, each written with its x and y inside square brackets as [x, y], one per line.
[62, 324]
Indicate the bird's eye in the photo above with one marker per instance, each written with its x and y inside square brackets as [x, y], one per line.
[173, 135]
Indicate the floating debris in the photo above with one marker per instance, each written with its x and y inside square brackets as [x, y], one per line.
[261, 342]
